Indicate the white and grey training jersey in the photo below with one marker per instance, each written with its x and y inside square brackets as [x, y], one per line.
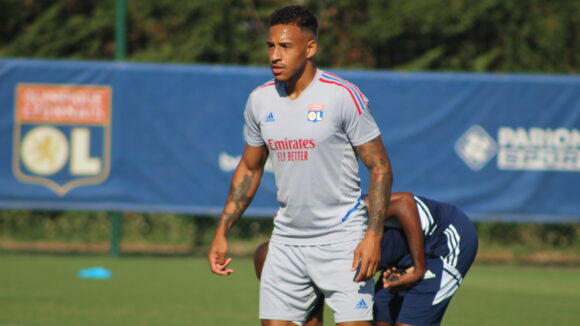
[310, 141]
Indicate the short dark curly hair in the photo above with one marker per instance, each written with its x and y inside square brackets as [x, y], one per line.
[295, 15]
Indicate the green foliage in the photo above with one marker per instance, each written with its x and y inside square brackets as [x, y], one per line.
[146, 231]
[55, 226]
[58, 29]
[501, 233]
[458, 35]
[157, 229]
[74, 227]
[487, 35]
[557, 235]
[531, 235]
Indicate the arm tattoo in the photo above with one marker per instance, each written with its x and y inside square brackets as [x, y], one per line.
[375, 158]
[238, 196]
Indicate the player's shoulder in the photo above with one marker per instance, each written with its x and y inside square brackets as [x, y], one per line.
[261, 96]
[426, 202]
[436, 207]
[349, 90]
[268, 86]
[336, 79]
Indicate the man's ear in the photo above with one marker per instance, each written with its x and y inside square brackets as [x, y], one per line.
[311, 49]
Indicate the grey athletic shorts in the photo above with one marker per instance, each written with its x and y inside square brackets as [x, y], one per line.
[295, 276]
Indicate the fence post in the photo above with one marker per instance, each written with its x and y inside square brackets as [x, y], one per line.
[116, 218]
[120, 30]
[120, 47]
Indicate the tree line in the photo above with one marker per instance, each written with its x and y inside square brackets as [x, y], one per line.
[538, 36]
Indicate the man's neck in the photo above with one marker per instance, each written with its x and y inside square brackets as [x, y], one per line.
[296, 86]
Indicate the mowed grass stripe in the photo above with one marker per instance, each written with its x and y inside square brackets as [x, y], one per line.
[44, 290]
[494, 295]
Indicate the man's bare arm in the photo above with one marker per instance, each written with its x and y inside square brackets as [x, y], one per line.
[404, 208]
[243, 187]
[375, 158]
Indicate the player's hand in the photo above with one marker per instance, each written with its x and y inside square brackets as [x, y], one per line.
[217, 256]
[367, 256]
[398, 280]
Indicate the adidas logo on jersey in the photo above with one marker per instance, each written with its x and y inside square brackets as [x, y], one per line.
[429, 274]
[361, 304]
[270, 118]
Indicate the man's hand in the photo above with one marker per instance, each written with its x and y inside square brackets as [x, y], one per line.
[245, 181]
[367, 256]
[217, 256]
[396, 280]
[368, 253]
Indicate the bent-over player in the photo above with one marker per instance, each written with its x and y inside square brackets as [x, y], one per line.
[408, 293]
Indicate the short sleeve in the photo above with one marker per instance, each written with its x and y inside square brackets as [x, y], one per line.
[252, 130]
[359, 124]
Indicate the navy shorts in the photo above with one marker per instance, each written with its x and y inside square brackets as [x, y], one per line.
[426, 302]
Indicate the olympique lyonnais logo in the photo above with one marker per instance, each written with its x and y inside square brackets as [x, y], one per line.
[315, 112]
[62, 135]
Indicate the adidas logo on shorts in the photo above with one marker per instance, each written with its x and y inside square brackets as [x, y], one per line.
[361, 304]
[429, 274]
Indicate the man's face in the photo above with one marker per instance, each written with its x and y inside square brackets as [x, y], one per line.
[289, 49]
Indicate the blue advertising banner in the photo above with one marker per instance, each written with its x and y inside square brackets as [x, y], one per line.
[151, 137]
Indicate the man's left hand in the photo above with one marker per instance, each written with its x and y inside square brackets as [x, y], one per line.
[367, 256]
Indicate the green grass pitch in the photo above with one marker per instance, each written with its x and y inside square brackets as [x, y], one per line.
[45, 290]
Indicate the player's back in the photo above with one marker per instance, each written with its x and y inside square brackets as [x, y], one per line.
[435, 215]
[435, 218]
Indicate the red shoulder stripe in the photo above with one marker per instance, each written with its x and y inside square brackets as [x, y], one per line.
[349, 83]
[358, 108]
[268, 84]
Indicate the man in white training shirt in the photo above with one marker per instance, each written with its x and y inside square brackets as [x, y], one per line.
[312, 125]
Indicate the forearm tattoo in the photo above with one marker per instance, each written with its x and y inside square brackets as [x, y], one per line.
[375, 158]
[238, 200]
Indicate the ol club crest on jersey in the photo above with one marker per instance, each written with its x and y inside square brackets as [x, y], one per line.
[62, 135]
[315, 112]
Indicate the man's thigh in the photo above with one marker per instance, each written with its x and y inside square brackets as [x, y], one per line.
[330, 267]
[286, 291]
